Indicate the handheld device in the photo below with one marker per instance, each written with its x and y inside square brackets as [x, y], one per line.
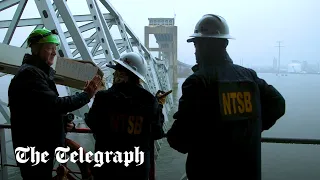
[165, 94]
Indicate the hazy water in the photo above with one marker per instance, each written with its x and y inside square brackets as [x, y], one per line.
[280, 162]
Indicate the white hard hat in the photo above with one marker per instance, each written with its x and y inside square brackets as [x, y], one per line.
[211, 26]
[133, 62]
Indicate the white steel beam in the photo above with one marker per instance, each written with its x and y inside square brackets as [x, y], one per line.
[36, 21]
[106, 28]
[101, 35]
[83, 28]
[73, 28]
[123, 33]
[4, 161]
[51, 22]
[152, 81]
[88, 41]
[22, 22]
[5, 4]
[110, 8]
[4, 111]
[52, 15]
[78, 40]
[120, 24]
[113, 16]
[14, 21]
[132, 34]
[95, 48]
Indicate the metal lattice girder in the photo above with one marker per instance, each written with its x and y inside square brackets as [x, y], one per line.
[14, 21]
[7, 4]
[36, 21]
[50, 21]
[100, 47]
[4, 111]
[101, 34]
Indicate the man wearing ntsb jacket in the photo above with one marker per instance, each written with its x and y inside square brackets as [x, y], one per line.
[223, 110]
[126, 116]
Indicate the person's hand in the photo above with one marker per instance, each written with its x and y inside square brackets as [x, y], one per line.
[93, 86]
[70, 126]
[161, 99]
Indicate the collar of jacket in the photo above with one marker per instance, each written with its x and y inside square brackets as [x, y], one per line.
[220, 58]
[215, 59]
[35, 61]
[195, 68]
[126, 85]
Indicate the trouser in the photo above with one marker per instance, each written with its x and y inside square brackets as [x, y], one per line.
[228, 168]
[41, 171]
[84, 167]
[30, 171]
[117, 171]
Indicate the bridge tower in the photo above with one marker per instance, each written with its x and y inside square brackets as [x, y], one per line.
[165, 33]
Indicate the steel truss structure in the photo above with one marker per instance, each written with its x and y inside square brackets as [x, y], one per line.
[100, 46]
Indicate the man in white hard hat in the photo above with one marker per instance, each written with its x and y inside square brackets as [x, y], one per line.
[126, 116]
[223, 110]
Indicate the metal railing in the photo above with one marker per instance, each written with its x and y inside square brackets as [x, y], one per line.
[279, 141]
[4, 161]
[3, 151]
[5, 165]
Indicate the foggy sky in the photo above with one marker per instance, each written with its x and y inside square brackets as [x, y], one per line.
[257, 25]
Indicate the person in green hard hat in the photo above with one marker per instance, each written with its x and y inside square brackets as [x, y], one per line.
[36, 109]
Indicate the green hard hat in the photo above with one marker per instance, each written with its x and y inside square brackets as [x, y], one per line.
[41, 36]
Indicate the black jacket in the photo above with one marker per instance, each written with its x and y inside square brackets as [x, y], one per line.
[117, 105]
[121, 118]
[218, 145]
[36, 108]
